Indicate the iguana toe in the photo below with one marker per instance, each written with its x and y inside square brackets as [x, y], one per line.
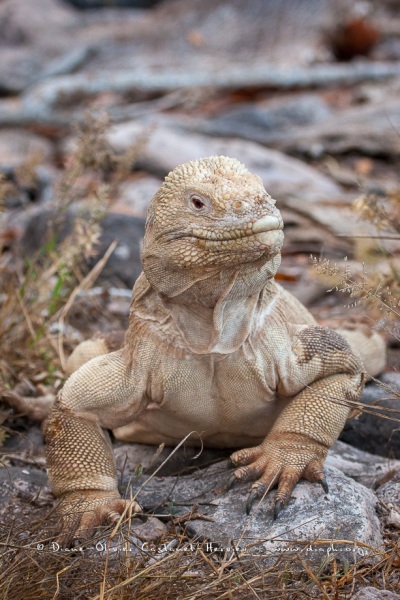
[283, 463]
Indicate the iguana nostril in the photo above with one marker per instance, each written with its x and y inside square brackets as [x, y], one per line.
[240, 206]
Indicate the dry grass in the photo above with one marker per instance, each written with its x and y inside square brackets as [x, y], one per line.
[175, 568]
[375, 285]
[37, 291]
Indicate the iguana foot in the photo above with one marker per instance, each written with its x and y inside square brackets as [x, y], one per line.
[281, 459]
[82, 512]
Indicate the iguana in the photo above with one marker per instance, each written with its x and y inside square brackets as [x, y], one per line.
[215, 346]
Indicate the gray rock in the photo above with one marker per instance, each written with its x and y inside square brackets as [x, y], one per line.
[132, 458]
[135, 196]
[36, 42]
[22, 155]
[312, 521]
[363, 467]
[18, 147]
[133, 539]
[168, 147]
[372, 593]
[346, 513]
[373, 433]
[288, 179]
[22, 489]
[389, 492]
[264, 122]
[33, 37]
[257, 31]
[123, 266]
[368, 130]
[28, 442]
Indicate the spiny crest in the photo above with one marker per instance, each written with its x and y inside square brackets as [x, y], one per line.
[204, 168]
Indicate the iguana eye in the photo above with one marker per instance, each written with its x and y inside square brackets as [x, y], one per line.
[197, 202]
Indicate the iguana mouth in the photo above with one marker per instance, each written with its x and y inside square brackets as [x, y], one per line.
[262, 225]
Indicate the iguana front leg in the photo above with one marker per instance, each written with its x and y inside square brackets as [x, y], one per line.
[104, 393]
[297, 445]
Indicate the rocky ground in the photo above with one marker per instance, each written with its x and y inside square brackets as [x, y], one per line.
[305, 93]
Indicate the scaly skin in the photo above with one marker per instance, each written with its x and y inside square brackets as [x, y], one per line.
[214, 345]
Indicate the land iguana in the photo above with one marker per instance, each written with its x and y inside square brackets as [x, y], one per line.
[214, 346]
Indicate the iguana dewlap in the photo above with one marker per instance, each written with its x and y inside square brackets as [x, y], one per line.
[214, 346]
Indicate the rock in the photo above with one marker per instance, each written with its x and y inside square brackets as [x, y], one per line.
[312, 521]
[389, 492]
[388, 50]
[250, 34]
[132, 539]
[40, 227]
[168, 147]
[46, 100]
[310, 514]
[264, 122]
[372, 593]
[37, 43]
[370, 129]
[275, 44]
[32, 38]
[29, 442]
[361, 466]
[152, 529]
[370, 432]
[135, 458]
[123, 266]
[18, 147]
[21, 489]
[24, 178]
[135, 196]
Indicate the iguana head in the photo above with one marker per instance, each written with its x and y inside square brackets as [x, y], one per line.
[209, 215]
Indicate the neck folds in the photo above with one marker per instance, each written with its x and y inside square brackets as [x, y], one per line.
[215, 314]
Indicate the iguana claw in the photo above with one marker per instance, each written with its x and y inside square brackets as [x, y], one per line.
[324, 484]
[250, 501]
[231, 482]
[277, 508]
